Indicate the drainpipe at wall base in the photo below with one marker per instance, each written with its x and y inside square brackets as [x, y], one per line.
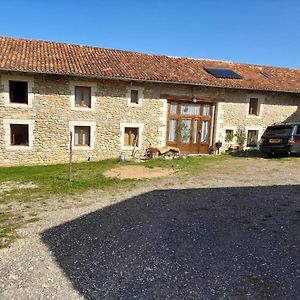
[214, 123]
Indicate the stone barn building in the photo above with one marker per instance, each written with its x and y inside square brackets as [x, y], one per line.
[113, 101]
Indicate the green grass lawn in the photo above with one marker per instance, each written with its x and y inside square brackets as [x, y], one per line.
[53, 180]
[191, 164]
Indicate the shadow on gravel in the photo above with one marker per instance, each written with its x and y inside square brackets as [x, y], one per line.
[229, 243]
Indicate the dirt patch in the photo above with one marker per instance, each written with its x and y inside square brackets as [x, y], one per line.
[138, 172]
[13, 185]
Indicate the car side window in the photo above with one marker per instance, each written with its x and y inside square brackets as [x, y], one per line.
[298, 130]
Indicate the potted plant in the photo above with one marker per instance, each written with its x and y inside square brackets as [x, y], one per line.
[184, 131]
[240, 138]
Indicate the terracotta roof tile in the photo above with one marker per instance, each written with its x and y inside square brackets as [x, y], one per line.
[60, 58]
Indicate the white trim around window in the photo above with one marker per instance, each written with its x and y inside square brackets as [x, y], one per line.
[260, 105]
[5, 94]
[7, 134]
[92, 85]
[140, 96]
[92, 125]
[140, 126]
[234, 129]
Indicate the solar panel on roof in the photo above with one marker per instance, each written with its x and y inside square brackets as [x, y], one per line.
[223, 73]
[266, 74]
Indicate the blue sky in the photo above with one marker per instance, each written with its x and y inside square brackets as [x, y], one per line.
[249, 31]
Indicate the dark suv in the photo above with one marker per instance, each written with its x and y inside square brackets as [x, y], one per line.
[281, 139]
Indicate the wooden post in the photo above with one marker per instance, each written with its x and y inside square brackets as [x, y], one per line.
[70, 158]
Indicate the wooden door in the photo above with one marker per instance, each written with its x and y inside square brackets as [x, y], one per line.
[189, 126]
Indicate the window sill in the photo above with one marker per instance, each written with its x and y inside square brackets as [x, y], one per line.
[130, 148]
[19, 148]
[83, 148]
[134, 104]
[15, 104]
[253, 116]
[83, 108]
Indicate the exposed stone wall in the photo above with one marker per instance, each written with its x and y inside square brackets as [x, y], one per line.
[274, 107]
[113, 110]
[52, 115]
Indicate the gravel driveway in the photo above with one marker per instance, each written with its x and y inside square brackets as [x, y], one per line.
[232, 232]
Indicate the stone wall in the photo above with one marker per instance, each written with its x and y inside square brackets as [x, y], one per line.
[274, 107]
[53, 115]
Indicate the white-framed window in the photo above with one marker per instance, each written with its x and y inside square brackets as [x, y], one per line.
[254, 107]
[131, 135]
[229, 134]
[252, 138]
[135, 96]
[83, 134]
[253, 135]
[83, 95]
[18, 134]
[17, 91]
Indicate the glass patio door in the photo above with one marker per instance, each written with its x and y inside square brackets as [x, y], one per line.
[189, 126]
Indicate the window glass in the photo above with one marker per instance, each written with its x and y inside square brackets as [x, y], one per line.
[252, 138]
[77, 136]
[229, 135]
[126, 138]
[134, 96]
[86, 135]
[19, 135]
[253, 106]
[172, 130]
[278, 130]
[190, 109]
[195, 131]
[131, 136]
[82, 136]
[206, 109]
[298, 129]
[18, 91]
[185, 130]
[173, 108]
[87, 96]
[204, 132]
[82, 96]
[77, 96]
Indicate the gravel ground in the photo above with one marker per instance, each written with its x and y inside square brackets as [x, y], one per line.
[232, 232]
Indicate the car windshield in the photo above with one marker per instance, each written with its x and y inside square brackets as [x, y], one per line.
[278, 130]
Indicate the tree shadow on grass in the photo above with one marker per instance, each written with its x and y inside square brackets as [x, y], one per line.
[229, 243]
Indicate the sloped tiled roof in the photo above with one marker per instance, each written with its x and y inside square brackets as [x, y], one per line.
[60, 58]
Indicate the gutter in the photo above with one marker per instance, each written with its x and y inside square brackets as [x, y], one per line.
[149, 80]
